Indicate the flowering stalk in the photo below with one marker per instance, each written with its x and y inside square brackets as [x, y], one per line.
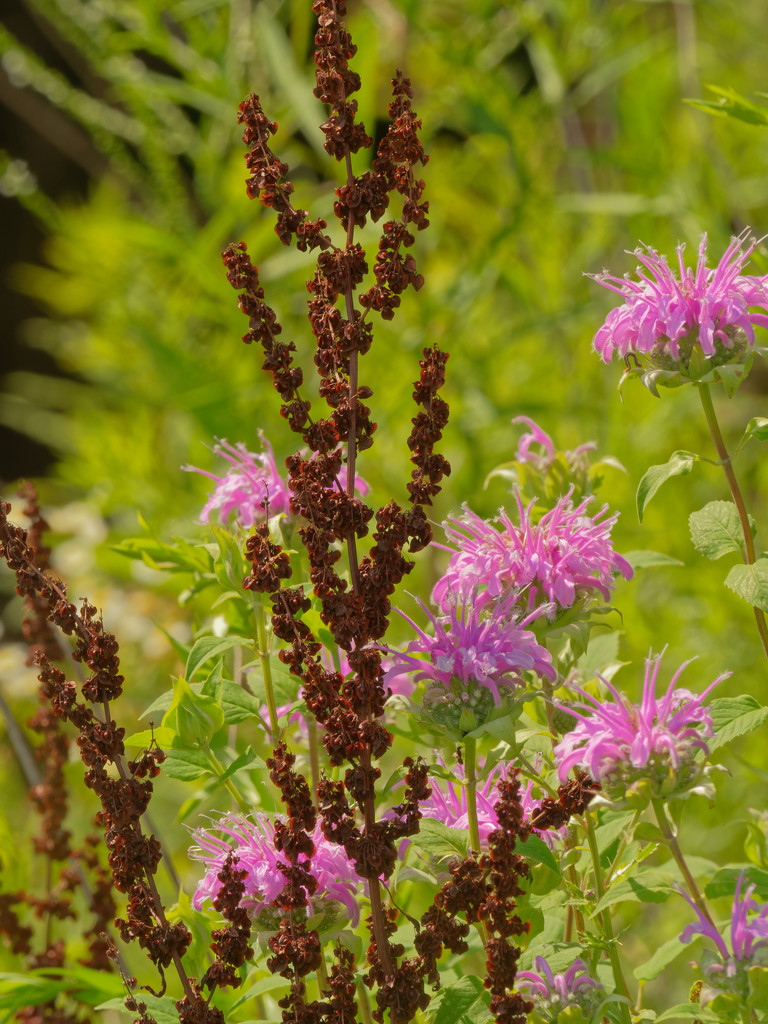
[738, 499]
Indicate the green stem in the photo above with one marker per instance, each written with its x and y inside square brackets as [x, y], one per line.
[622, 846]
[470, 769]
[670, 838]
[725, 461]
[263, 653]
[218, 770]
[536, 776]
[605, 918]
[362, 1002]
[324, 989]
[470, 785]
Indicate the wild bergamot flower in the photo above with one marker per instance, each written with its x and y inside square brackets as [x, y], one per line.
[686, 325]
[728, 972]
[553, 993]
[650, 748]
[448, 803]
[251, 483]
[474, 661]
[565, 556]
[253, 844]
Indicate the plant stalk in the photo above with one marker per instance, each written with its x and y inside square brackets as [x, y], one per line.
[725, 461]
[670, 838]
[218, 770]
[470, 788]
[605, 919]
[263, 652]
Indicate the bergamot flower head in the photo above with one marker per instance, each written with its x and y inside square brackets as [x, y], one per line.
[638, 752]
[252, 841]
[729, 972]
[566, 556]
[448, 803]
[698, 325]
[553, 993]
[473, 663]
[250, 486]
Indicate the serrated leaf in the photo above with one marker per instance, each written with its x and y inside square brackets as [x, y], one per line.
[648, 886]
[186, 765]
[716, 530]
[238, 704]
[750, 582]
[440, 841]
[662, 957]
[458, 998]
[208, 647]
[645, 559]
[679, 464]
[733, 717]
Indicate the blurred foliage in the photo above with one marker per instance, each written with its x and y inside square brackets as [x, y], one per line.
[558, 136]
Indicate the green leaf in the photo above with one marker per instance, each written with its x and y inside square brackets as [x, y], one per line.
[733, 717]
[186, 765]
[648, 886]
[680, 464]
[645, 559]
[647, 832]
[690, 1011]
[244, 760]
[724, 881]
[664, 955]
[732, 104]
[757, 428]
[162, 1008]
[437, 840]
[716, 530]
[162, 736]
[458, 998]
[534, 848]
[238, 704]
[208, 647]
[23, 990]
[750, 582]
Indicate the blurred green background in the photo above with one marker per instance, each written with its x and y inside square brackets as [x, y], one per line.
[559, 136]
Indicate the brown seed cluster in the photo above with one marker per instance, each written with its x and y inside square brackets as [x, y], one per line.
[123, 787]
[67, 869]
[484, 890]
[355, 605]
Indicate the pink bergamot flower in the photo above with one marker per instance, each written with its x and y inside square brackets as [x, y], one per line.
[474, 661]
[653, 749]
[566, 556]
[553, 993]
[252, 841]
[728, 972]
[250, 485]
[665, 319]
[448, 804]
